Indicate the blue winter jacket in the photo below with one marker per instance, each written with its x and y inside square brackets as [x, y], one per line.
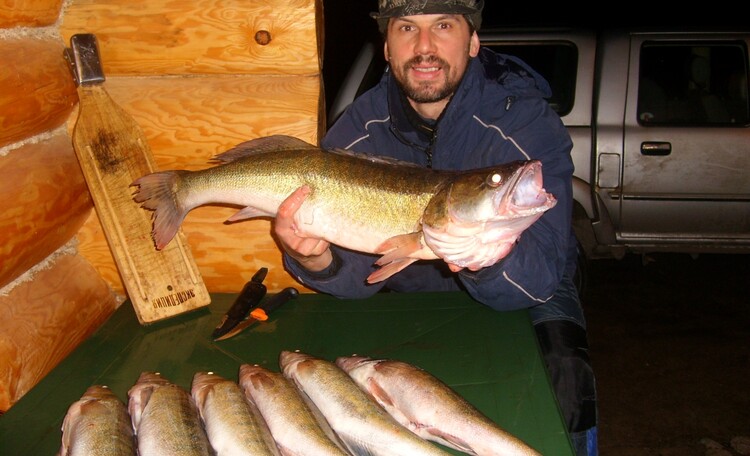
[498, 114]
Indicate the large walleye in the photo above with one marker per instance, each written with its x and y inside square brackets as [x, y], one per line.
[234, 426]
[363, 426]
[369, 204]
[293, 423]
[165, 418]
[430, 408]
[97, 425]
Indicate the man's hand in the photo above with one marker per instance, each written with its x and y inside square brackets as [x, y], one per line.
[312, 253]
[470, 247]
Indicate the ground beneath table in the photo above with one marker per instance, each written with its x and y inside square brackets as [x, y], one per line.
[670, 343]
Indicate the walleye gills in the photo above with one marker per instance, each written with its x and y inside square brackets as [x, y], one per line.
[97, 424]
[430, 408]
[363, 426]
[233, 425]
[364, 203]
[165, 418]
[293, 423]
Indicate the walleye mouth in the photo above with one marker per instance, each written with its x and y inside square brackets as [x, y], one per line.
[528, 192]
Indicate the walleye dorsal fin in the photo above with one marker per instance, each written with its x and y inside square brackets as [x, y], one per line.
[262, 145]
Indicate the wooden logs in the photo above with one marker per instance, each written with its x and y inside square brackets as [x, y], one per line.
[45, 204]
[29, 13]
[37, 91]
[43, 319]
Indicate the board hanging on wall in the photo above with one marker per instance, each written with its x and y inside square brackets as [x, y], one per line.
[112, 151]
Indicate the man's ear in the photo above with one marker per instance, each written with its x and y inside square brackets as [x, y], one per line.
[474, 45]
[385, 52]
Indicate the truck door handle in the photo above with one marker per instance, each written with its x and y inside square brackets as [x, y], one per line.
[656, 148]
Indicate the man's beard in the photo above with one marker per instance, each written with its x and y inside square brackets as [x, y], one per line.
[427, 92]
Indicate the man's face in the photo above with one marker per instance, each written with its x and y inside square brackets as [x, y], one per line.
[428, 55]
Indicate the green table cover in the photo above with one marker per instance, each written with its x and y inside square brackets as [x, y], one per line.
[490, 358]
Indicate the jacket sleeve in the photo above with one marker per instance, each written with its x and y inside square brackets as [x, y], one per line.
[344, 278]
[531, 273]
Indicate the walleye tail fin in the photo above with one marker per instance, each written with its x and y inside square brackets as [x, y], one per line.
[156, 192]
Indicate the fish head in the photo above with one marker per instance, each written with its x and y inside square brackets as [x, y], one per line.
[203, 383]
[293, 361]
[257, 378]
[475, 218]
[97, 392]
[506, 192]
[350, 363]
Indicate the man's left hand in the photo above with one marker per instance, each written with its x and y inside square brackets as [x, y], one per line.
[470, 248]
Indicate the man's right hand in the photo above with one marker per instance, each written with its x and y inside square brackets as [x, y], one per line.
[312, 253]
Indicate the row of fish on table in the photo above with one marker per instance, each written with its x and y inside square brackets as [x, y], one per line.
[354, 405]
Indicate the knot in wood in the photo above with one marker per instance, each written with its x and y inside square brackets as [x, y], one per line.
[262, 37]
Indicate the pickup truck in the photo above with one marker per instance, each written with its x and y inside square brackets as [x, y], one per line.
[660, 123]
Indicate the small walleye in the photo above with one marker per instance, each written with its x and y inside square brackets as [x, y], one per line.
[363, 426]
[165, 418]
[293, 423]
[430, 408]
[377, 205]
[234, 426]
[97, 424]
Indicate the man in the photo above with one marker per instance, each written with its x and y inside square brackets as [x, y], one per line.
[447, 103]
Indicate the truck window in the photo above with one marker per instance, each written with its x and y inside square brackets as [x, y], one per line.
[693, 84]
[557, 62]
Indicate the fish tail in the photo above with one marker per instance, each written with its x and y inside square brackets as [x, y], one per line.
[157, 192]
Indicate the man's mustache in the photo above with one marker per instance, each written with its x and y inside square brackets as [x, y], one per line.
[430, 59]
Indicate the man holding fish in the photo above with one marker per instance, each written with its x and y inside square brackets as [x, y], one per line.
[447, 103]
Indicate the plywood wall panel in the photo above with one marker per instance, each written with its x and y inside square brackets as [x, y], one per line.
[44, 205]
[162, 37]
[189, 120]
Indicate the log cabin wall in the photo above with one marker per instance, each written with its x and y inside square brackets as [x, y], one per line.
[199, 77]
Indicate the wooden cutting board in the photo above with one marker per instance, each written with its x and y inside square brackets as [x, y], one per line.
[112, 151]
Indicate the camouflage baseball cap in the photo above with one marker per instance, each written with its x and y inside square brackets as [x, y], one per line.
[471, 9]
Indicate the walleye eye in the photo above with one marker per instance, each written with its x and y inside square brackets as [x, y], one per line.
[494, 180]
